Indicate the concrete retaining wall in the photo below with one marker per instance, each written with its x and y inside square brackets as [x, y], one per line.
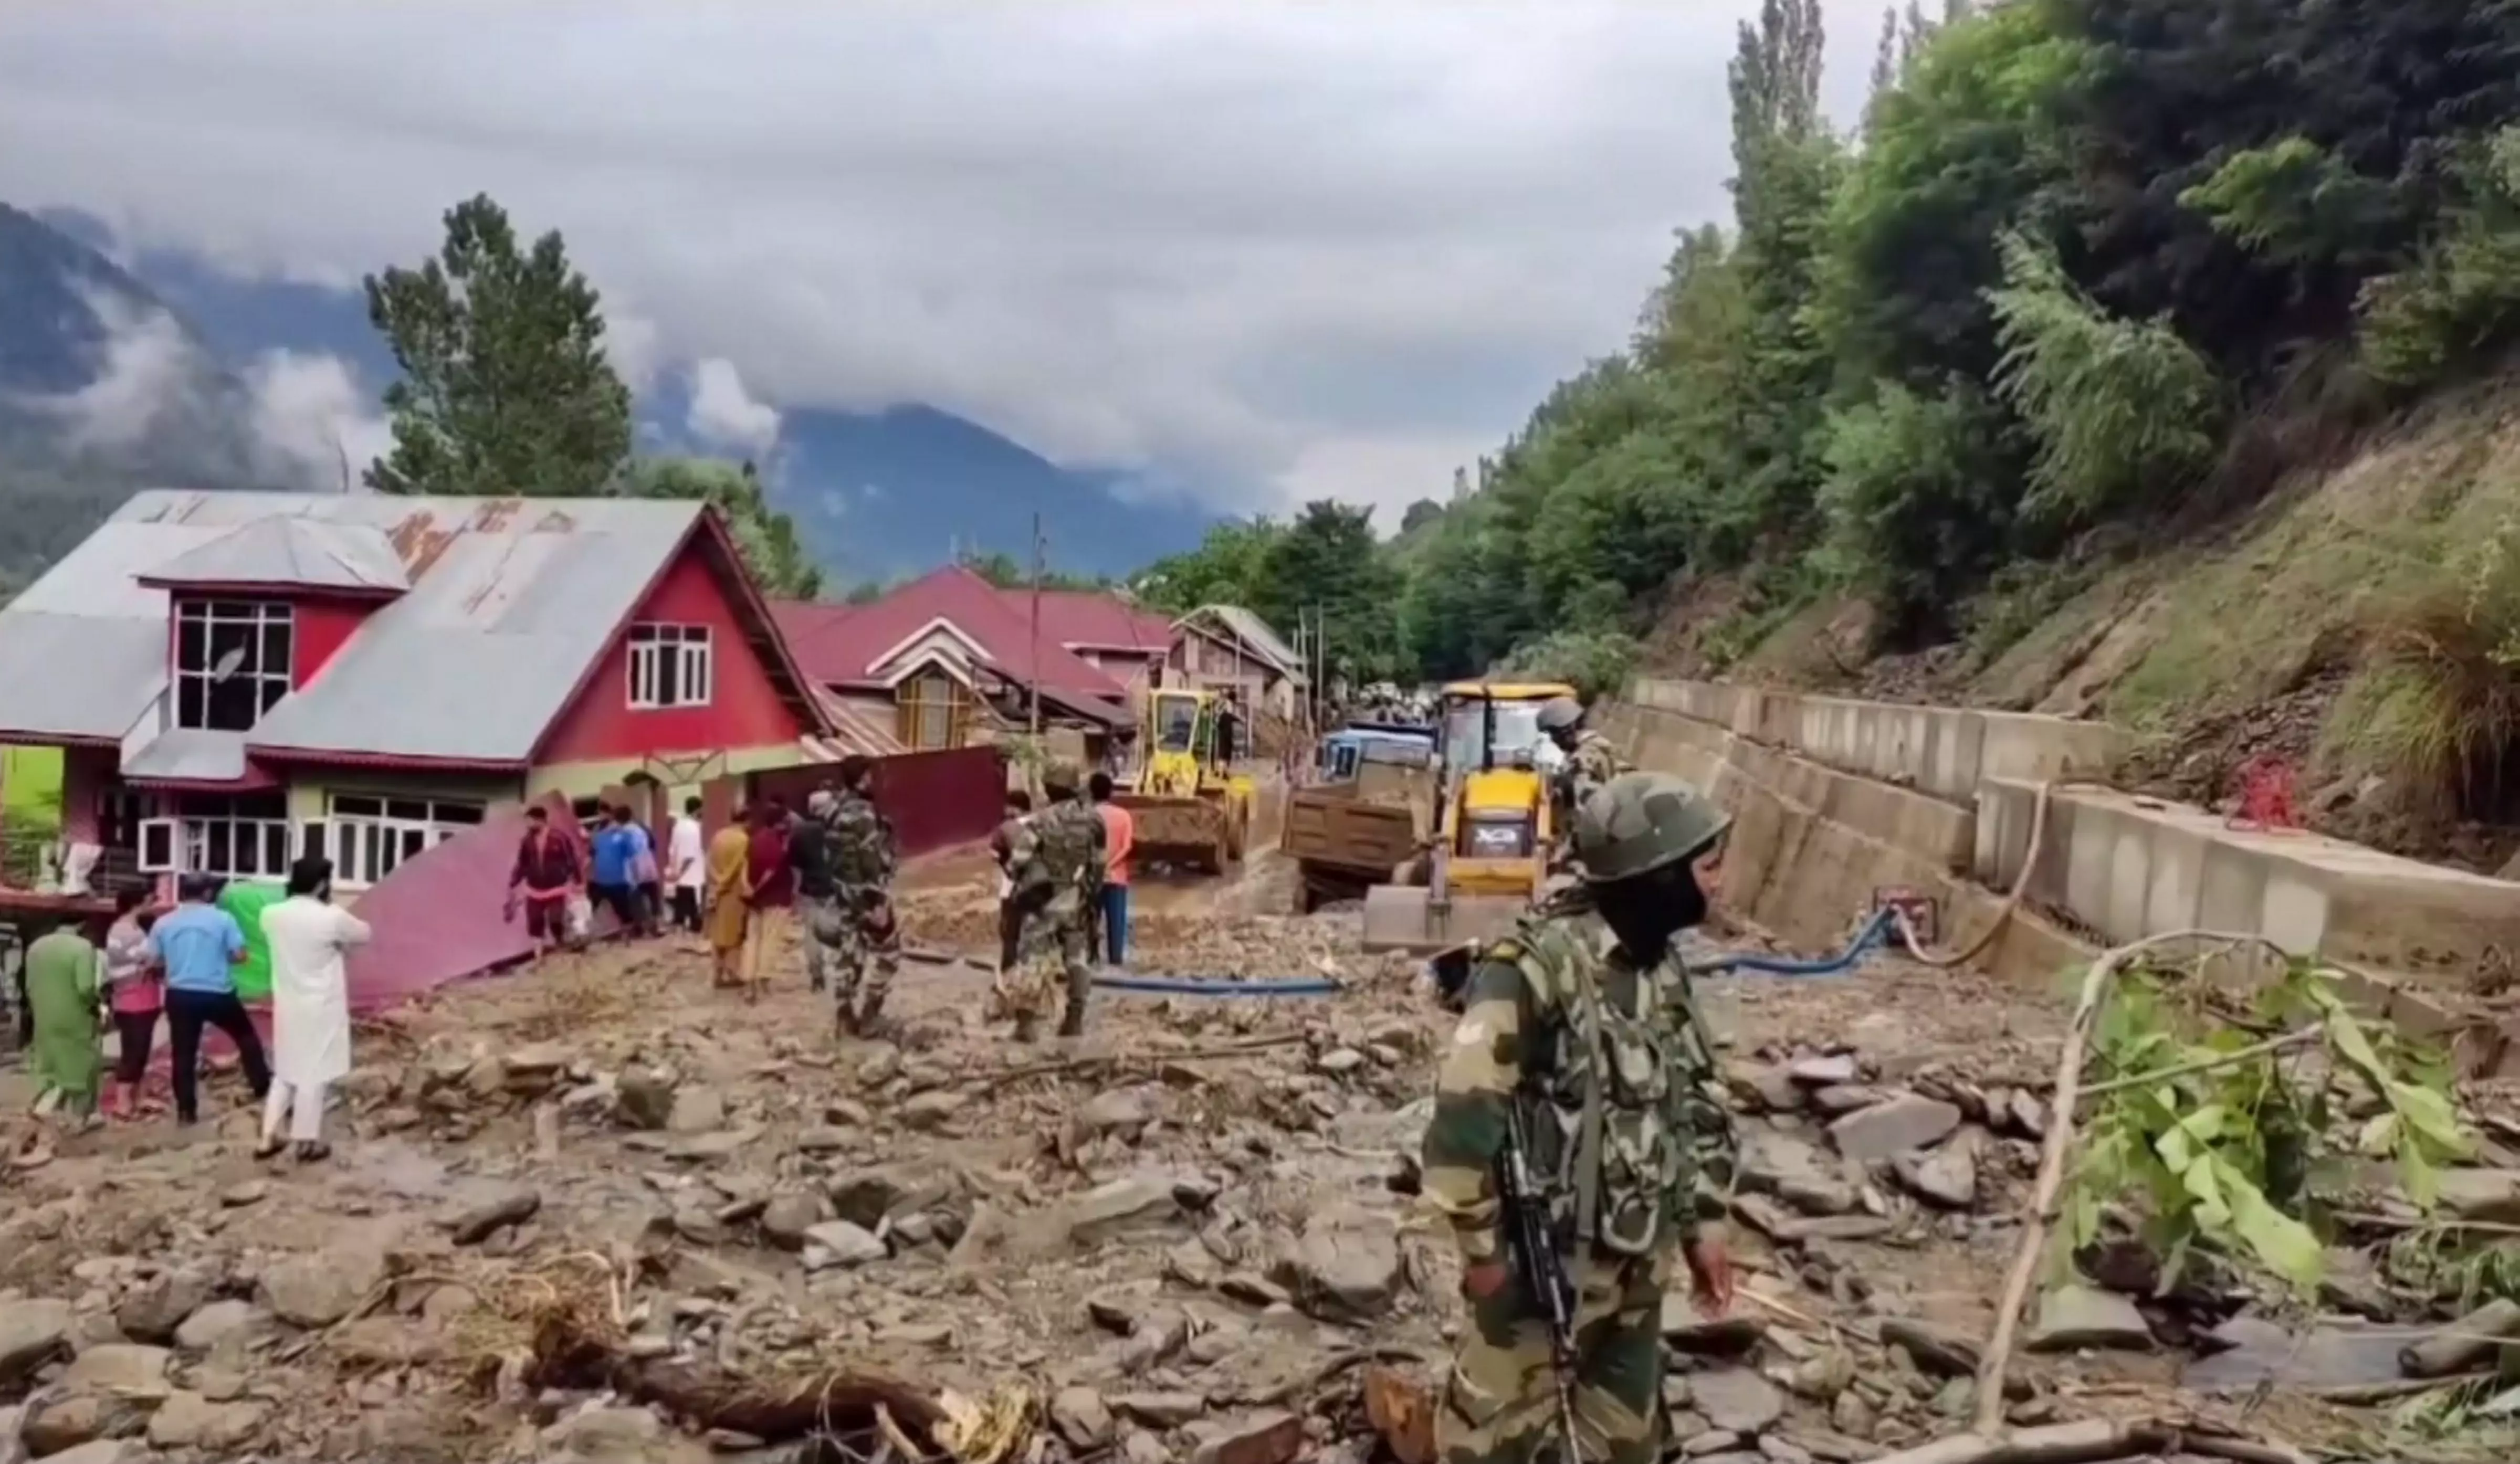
[1835, 799]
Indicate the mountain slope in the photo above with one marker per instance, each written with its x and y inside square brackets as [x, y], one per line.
[875, 495]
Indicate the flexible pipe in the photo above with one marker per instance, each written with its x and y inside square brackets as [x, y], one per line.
[2003, 912]
[1865, 939]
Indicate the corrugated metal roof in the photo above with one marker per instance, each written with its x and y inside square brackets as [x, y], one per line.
[1255, 633]
[855, 728]
[511, 601]
[184, 754]
[841, 646]
[292, 551]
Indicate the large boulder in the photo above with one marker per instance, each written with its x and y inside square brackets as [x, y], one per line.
[32, 1333]
[1346, 1266]
[153, 1310]
[318, 1290]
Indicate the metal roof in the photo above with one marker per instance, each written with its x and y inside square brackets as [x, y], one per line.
[292, 551]
[1255, 633]
[185, 754]
[511, 601]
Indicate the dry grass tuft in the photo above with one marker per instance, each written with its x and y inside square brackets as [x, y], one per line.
[2436, 707]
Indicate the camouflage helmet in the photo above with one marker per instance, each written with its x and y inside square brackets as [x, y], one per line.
[1059, 776]
[1560, 714]
[1637, 823]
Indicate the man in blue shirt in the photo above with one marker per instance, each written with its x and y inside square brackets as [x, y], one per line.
[612, 877]
[199, 946]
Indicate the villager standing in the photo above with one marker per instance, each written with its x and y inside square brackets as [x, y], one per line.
[135, 994]
[612, 865]
[199, 946]
[687, 866]
[1120, 841]
[866, 857]
[1579, 1038]
[1002, 843]
[63, 970]
[730, 899]
[546, 874]
[647, 871]
[772, 893]
[310, 1007]
[1057, 861]
[818, 906]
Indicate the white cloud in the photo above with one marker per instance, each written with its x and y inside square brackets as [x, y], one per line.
[633, 344]
[312, 422]
[1227, 242]
[147, 370]
[723, 413]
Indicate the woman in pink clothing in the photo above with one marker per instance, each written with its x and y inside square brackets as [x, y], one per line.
[135, 993]
[1119, 837]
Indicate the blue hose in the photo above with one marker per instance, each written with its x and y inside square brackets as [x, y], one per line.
[1873, 933]
[1192, 986]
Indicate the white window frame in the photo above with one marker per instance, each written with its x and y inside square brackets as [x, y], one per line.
[369, 835]
[180, 844]
[270, 682]
[688, 649]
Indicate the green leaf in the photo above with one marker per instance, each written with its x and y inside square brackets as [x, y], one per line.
[2286, 1245]
[2429, 1114]
[2380, 1135]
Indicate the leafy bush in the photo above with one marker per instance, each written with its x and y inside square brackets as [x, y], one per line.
[2123, 410]
[2457, 306]
[1596, 663]
[1916, 509]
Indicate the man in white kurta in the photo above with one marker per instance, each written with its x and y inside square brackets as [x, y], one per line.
[310, 1005]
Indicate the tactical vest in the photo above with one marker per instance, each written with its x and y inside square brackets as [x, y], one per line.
[858, 837]
[1618, 1116]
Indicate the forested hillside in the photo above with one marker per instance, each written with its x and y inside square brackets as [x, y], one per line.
[2092, 279]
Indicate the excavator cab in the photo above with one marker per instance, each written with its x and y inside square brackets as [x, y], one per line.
[1190, 808]
[1493, 828]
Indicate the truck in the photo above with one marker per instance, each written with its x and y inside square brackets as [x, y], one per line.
[1368, 814]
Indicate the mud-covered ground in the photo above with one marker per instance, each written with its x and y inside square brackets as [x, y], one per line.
[600, 1211]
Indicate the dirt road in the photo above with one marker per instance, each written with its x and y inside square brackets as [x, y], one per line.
[599, 1211]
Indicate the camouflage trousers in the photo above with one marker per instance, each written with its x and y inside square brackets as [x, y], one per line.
[1050, 951]
[1501, 1402]
[856, 954]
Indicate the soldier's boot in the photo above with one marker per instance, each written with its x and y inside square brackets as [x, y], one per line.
[1080, 982]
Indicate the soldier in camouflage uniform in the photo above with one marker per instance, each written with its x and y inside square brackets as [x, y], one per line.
[1583, 1019]
[1057, 858]
[865, 856]
[1590, 761]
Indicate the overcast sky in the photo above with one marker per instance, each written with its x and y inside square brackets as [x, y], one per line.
[1306, 250]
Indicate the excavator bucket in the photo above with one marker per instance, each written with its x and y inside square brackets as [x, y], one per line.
[1191, 832]
[1414, 918]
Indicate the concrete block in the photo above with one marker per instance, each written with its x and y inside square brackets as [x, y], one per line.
[2295, 914]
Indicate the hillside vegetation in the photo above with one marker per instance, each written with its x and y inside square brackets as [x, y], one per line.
[2094, 282]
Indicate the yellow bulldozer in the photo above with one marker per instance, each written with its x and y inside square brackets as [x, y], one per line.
[1192, 810]
[1493, 826]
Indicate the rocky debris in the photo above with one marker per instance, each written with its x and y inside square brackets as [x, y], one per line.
[1825, 1071]
[320, 1289]
[840, 1244]
[2487, 1196]
[189, 1420]
[109, 1392]
[929, 1110]
[2468, 1342]
[105, 1451]
[695, 1110]
[217, 1321]
[643, 1098]
[1270, 1438]
[32, 1333]
[1346, 1266]
[1947, 1176]
[1794, 1172]
[2256, 1353]
[1081, 1417]
[2073, 1317]
[1893, 1126]
[1736, 1400]
[153, 1310]
[1123, 1207]
[478, 1223]
[1162, 1411]
[788, 1218]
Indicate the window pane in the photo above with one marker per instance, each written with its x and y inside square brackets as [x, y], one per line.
[275, 848]
[274, 687]
[275, 648]
[643, 675]
[458, 813]
[407, 808]
[640, 633]
[192, 640]
[358, 808]
[218, 846]
[261, 805]
[668, 683]
[192, 702]
[413, 840]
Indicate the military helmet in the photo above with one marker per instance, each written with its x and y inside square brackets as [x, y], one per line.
[1560, 714]
[1058, 774]
[1637, 823]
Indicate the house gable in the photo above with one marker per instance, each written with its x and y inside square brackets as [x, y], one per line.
[746, 705]
[939, 640]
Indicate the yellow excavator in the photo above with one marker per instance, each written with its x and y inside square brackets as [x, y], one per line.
[1492, 825]
[1191, 809]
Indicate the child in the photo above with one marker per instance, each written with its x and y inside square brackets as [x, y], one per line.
[135, 993]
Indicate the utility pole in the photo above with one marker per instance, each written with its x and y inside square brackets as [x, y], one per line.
[1035, 682]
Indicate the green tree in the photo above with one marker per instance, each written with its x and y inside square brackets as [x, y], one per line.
[505, 387]
[1328, 565]
[766, 537]
[1227, 568]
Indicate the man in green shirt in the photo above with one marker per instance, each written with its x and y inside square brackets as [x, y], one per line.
[62, 975]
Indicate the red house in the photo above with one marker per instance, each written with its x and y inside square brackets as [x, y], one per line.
[237, 678]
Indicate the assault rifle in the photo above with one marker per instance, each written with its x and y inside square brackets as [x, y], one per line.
[1531, 1238]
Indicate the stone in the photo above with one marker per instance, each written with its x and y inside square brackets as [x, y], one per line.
[1853, 1415]
[607, 1434]
[1346, 1267]
[1162, 1411]
[1254, 1290]
[642, 1098]
[1946, 1177]
[472, 1226]
[374, 1342]
[217, 1321]
[1339, 1060]
[787, 1219]
[1142, 1448]
[695, 1110]
[103, 1451]
[239, 1196]
[1685, 1330]
[705, 1148]
[1122, 1207]
[1778, 1449]
[32, 1333]
[543, 1060]
[2029, 1113]
[1121, 1110]
[155, 1308]
[930, 1110]
[2256, 1353]
[2073, 1317]
[1796, 1173]
[1711, 1443]
[1825, 1071]
[1081, 1417]
[844, 1244]
[320, 1289]
[130, 1368]
[61, 1419]
[1845, 1098]
[1894, 1126]
[825, 1139]
[1736, 1400]
[1938, 1351]
[2487, 1196]
[1822, 1378]
[1269, 1438]
[189, 1420]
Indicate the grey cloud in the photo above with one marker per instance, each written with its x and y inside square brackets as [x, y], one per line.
[1238, 242]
